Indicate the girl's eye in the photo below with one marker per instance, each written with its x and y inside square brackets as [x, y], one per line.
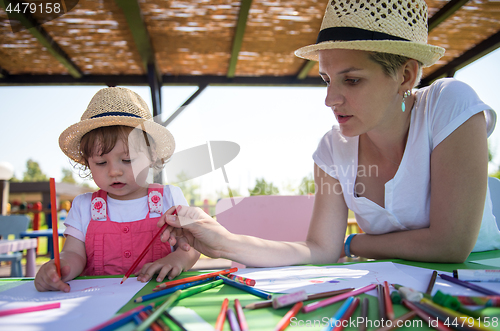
[127, 161]
[101, 163]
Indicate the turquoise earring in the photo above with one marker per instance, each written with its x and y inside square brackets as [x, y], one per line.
[405, 95]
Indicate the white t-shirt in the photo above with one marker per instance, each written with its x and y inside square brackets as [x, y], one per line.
[119, 211]
[439, 109]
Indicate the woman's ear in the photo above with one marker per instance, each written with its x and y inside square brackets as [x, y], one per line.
[410, 73]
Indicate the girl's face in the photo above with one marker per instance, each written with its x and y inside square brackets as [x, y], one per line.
[122, 172]
[361, 95]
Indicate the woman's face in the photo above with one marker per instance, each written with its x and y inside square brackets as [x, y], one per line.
[361, 95]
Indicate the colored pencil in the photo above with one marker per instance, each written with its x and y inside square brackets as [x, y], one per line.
[283, 323]
[199, 289]
[219, 323]
[243, 280]
[246, 288]
[332, 322]
[364, 314]
[454, 314]
[55, 232]
[120, 320]
[269, 303]
[145, 251]
[389, 311]
[381, 302]
[22, 310]
[233, 322]
[154, 326]
[174, 320]
[468, 285]
[425, 316]
[172, 290]
[399, 321]
[431, 282]
[193, 278]
[442, 316]
[241, 315]
[315, 305]
[158, 311]
[347, 315]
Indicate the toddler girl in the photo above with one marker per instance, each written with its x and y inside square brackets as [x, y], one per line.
[118, 142]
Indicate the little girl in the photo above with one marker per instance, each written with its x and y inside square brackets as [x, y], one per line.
[117, 141]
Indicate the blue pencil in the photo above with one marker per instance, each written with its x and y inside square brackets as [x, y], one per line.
[338, 315]
[172, 289]
[120, 320]
[468, 285]
[249, 289]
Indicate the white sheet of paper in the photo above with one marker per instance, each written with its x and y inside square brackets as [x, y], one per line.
[328, 278]
[495, 262]
[90, 302]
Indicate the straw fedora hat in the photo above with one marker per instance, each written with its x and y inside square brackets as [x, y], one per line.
[116, 106]
[388, 26]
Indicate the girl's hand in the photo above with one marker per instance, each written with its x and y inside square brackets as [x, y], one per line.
[47, 278]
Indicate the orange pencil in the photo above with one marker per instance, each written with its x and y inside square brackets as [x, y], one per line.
[143, 254]
[283, 323]
[193, 278]
[389, 311]
[219, 324]
[55, 233]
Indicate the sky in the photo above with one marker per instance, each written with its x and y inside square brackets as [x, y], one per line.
[277, 128]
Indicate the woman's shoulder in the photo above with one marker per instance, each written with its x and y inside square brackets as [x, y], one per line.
[446, 88]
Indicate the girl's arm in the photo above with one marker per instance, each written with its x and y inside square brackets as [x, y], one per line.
[171, 265]
[323, 243]
[73, 260]
[459, 172]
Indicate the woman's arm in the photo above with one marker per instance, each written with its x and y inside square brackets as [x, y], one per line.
[459, 172]
[323, 244]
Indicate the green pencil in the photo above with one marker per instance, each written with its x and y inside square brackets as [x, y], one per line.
[156, 314]
[198, 289]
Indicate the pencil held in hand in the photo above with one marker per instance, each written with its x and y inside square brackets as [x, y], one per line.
[145, 251]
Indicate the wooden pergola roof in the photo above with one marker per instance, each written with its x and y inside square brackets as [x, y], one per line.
[204, 42]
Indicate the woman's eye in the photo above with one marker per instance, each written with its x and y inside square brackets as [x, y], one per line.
[127, 161]
[352, 81]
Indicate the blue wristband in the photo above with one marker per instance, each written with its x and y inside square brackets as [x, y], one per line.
[347, 245]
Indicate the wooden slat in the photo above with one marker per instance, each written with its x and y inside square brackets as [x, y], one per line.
[449, 9]
[44, 38]
[238, 36]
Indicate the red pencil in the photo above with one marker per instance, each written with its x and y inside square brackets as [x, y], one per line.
[389, 310]
[241, 315]
[55, 233]
[219, 324]
[193, 278]
[283, 323]
[143, 254]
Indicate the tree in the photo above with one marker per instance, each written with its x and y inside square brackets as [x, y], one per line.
[263, 188]
[188, 187]
[34, 173]
[307, 185]
[68, 176]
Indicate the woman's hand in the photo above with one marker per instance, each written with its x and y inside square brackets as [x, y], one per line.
[192, 227]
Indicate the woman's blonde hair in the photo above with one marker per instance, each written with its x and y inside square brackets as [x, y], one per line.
[392, 62]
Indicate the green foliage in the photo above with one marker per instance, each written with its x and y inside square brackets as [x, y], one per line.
[307, 185]
[225, 193]
[263, 188]
[33, 172]
[495, 174]
[189, 187]
[68, 176]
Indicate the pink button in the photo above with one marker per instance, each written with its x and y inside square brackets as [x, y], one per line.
[126, 229]
[127, 254]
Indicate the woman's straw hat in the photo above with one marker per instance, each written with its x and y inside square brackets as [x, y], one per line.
[388, 26]
[116, 106]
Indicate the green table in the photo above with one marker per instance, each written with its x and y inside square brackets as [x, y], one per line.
[207, 304]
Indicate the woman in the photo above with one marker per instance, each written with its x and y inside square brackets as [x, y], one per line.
[412, 166]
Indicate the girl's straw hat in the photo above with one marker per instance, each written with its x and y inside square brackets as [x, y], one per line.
[116, 106]
[388, 26]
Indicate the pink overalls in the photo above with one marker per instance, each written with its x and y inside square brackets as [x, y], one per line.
[113, 247]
